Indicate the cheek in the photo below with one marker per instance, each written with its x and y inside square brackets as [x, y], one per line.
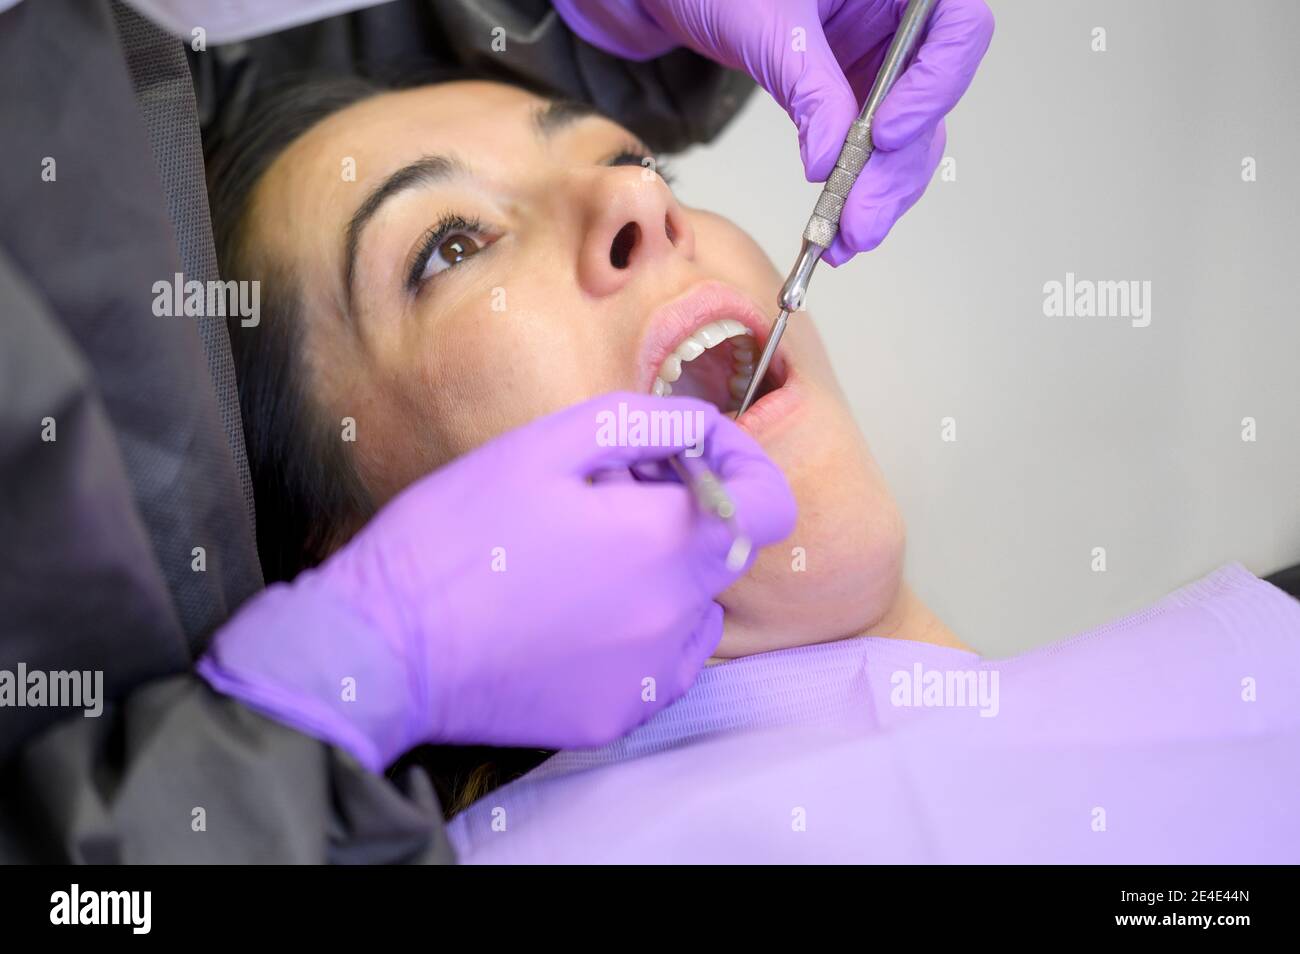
[724, 251]
[835, 576]
[495, 360]
[839, 571]
[518, 344]
[849, 525]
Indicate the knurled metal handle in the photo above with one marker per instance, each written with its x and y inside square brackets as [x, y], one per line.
[824, 224]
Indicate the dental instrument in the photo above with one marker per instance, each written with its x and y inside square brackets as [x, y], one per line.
[824, 224]
[712, 497]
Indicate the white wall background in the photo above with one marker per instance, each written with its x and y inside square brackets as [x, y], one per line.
[1074, 433]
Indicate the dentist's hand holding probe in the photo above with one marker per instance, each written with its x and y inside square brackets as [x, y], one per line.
[818, 59]
[507, 598]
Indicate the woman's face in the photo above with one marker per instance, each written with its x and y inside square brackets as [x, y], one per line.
[472, 257]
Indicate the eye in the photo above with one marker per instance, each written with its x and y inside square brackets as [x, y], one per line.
[453, 250]
[445, 245]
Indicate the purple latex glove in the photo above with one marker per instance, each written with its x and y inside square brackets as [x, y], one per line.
[818, 59]
[510, 598]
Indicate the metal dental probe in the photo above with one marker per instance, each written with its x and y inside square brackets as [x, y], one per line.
[820, 232]
[713, 498]
[824, 224]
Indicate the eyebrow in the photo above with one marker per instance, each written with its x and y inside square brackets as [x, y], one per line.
[554, 116]
[423, 171]
[559, 114]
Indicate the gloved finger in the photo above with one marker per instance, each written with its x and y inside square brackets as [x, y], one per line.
[654, 470]
[956, 39]
[621, 27]
[618, 430]
[691, 546]
[765, 510]
[613, 476]
[701, 643]
[765, 505]
[675, 661]
[812, 89]
[859, 32]
[890, 184]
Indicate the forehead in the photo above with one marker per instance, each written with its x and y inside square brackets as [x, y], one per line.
[324, 175]
[440, 113]
[368, 140]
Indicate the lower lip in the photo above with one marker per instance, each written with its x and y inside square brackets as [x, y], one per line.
[773, 408]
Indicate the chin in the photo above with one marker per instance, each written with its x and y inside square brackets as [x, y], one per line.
[840, 572]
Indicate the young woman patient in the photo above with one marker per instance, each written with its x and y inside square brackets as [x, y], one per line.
[444, 263]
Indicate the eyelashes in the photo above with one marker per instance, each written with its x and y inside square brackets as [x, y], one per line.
[449, 226]
[636, 155]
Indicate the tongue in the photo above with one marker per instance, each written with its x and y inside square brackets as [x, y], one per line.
[708, 377]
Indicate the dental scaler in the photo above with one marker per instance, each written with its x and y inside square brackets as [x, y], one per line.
[712, 497]
[824, 224]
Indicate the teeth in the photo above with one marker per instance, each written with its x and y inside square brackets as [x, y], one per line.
[739, 385]
[704, 338]
[711, 335]
[689, 350]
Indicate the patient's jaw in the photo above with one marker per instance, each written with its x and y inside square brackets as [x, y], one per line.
[522, 310]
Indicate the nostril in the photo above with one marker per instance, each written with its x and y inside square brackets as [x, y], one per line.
[620, 252]
[668, 230]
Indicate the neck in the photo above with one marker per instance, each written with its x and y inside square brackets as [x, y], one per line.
[909, 618]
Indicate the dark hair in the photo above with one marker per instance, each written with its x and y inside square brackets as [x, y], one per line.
[306, 488]
[307, 491]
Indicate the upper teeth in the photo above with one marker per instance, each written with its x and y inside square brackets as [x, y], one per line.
[704, 338]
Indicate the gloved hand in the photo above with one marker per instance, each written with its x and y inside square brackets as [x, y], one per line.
[509, 598]
[818, 59]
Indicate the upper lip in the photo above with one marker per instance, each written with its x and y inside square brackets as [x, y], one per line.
[674, 322]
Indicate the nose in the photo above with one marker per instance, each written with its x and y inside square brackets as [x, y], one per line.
[633, 224]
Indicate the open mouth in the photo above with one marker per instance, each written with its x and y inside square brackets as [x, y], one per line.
[714, 363]
[710, 344]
